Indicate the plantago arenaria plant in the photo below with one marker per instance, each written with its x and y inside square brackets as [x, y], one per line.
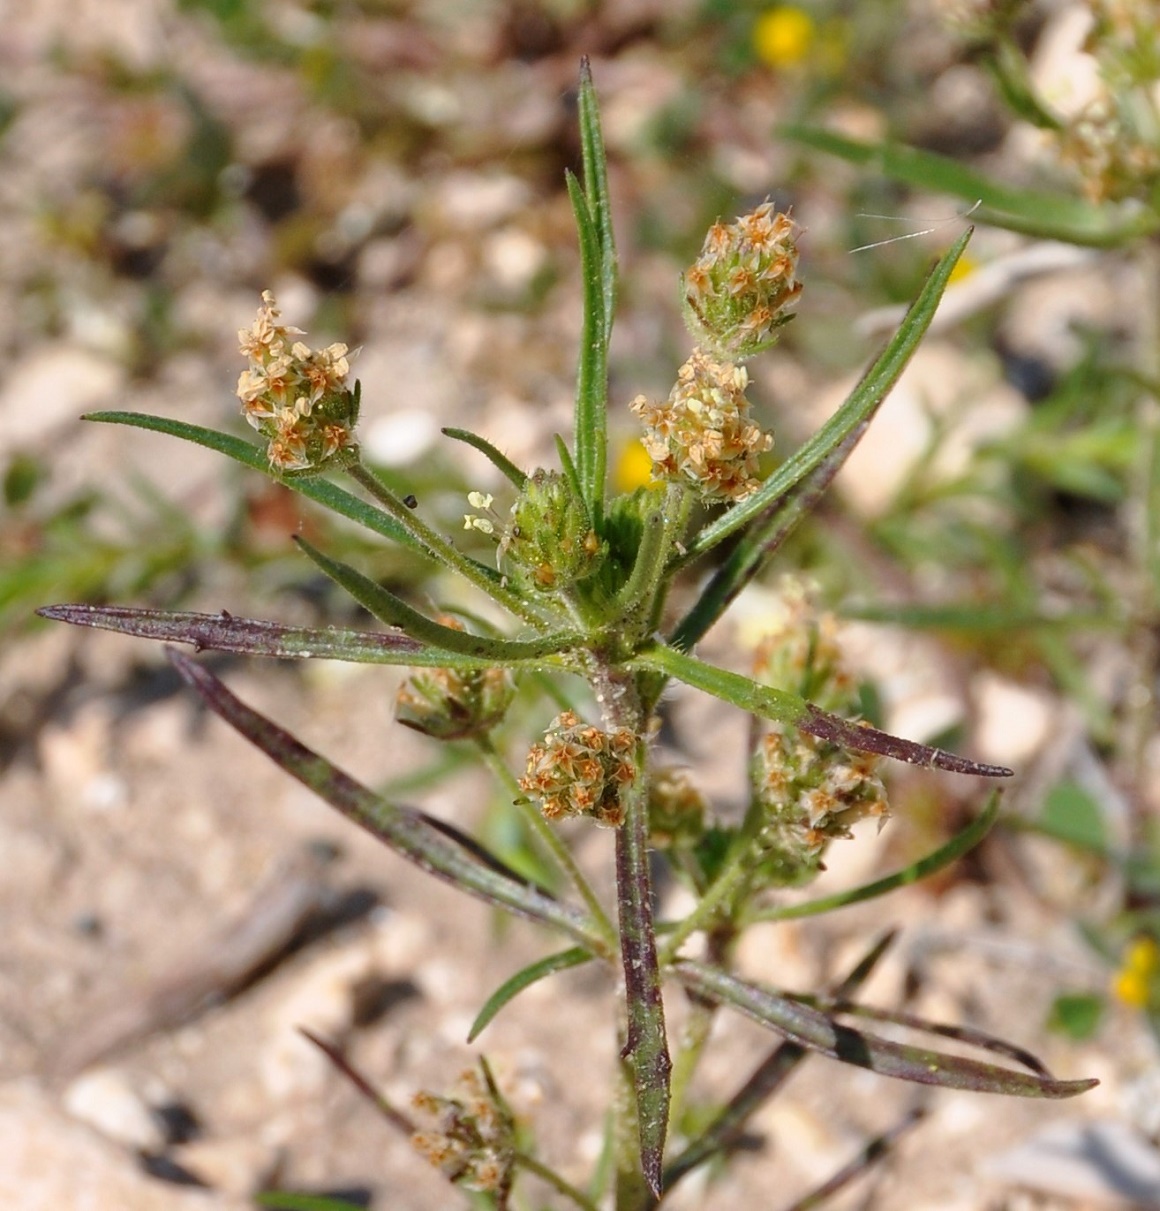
[585, 578]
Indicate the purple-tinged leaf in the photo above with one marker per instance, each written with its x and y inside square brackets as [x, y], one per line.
[257, 637]
[788, 708]
[402, 829]
[870, 1155]
[817, 1031]
[774, 1070]
[865, 739]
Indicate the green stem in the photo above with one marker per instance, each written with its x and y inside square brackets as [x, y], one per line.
[550, 842]
[708, 910]
[689, 1051]
[438, 548]
[698, 1027]
[531, 1165]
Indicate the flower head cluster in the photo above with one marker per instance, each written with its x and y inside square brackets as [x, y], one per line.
[578, 770]
[810, 793]
[453, 704]
[1114, 139]
[295, 396]
[702, 435]
[737, 291]
[1114, 145]
[473, 1142]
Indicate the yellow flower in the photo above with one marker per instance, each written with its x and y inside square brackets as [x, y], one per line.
[964, 267]
[633, 468]
[783, 36]
[1134, 983]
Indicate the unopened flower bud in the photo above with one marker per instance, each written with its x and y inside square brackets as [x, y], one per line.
[738, 291]
[578, 770]
[549, 543]
[702, 436]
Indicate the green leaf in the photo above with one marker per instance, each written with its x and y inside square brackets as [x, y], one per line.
[524, 978]
[590, 438]
[757, 544]
[979, 617]
[1076, 1015]
[400, 828]
[568, 467]
[319, 490]
[817, 1031]
[257, 637]
[1009, 68]
[954, 849]
[395, 612]
[850, 418]
[595, 171]
[1049, 216]
[284, 1200]
[789, 708]
[1071, 815]
[494, 456]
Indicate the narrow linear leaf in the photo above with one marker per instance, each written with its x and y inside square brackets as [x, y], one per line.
[773, 1071]
[641, 586]
[980, 617]
[595, 171]
[873, 1152]
[524, 978]
[257, 637]
[568, 467]
[499, 460]
[395, 1117]
[590, 437]
[858, 407]
[321, 491]
[394, 612]
[962, 1034]
[757, 544]
[482, 854]
[1047, 215]
[816, 1031]
[646, 1046]
[789, 708]
[947, 853]
[284, 1200]
[400, 828]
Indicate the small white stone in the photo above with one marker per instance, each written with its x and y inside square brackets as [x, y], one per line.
[49, 1162]
[399, 438]
[1014, 721]
[106, 1099]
